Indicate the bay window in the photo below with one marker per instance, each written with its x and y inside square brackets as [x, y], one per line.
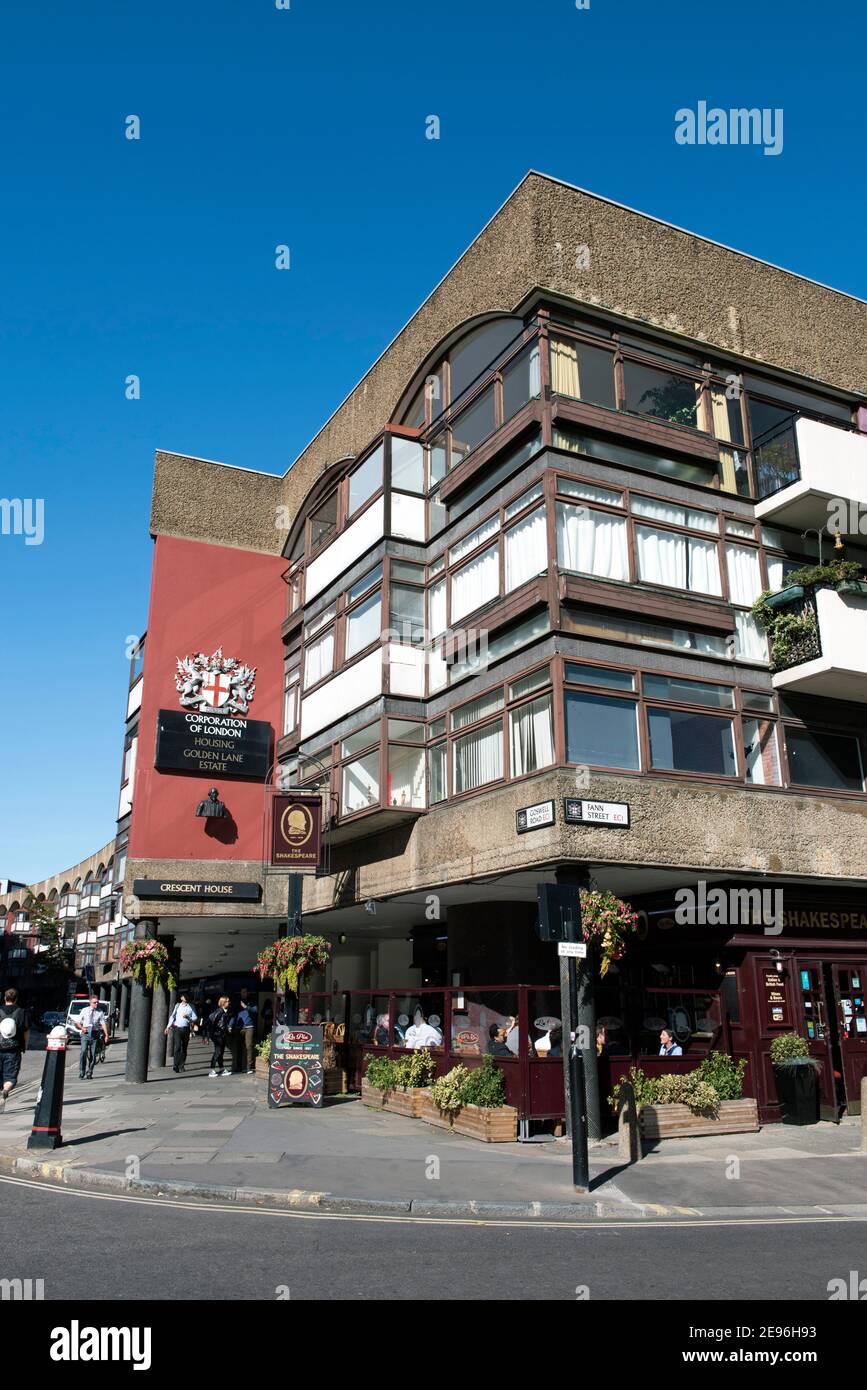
[601, 730]
[820, 759]
[405, 776]
[745, 585]
[583, 372]
[406, 613]
[476, 583]
[361, 784]
[478, 757]
[366, 480]
[682, 741]
[677, 561]
[319, 659]
[363, 624]
[664, 395]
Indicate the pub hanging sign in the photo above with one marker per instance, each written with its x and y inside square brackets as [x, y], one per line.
[296, 838]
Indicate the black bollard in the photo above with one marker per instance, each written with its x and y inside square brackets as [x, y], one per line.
[45, 1133]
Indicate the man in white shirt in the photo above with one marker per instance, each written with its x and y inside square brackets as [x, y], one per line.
[90, 1024]
[420, 1033]
[183, 1016]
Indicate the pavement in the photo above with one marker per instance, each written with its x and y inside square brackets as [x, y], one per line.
[214, 1139]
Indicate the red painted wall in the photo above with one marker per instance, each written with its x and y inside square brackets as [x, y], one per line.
[203, 597]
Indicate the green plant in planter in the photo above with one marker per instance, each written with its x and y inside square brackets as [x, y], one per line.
[643, 1085]
[382, 1073]
[446, 1090]
[485, 1086]
[415, 1069]
[788, 1048]
[264, 1049]
[794, 635]
[724, 1074]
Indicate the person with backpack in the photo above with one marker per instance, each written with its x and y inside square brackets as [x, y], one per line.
[14, 1032]
[182, 1018]
[219, 1029]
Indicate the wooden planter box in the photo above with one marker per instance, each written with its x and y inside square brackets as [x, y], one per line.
[493, 1126]
[334, 1081]
[398, 1102]
[262, 1067]
[673, 1121]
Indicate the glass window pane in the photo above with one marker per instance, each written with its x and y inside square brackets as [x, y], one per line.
[319, 659]
[600, 675]
[525, 684]
[740, 528]
[403, 569]
[526, 549]
[407, 464]
[479, 350]
[405, 776]
[531, 729]
[591, 542]
[761, 752]
[756, 699]
[406, 613]
[361, 738]
[523, 501]
[661, 394]
[475, 538]
[817, 759]
[690, 692]
[477, 709]
[366, 582]
[437, 608]
[437, 458]
[658, 511]
[492, 479]
[323, 522]
[583, 372]
[601, 730]
[520, 381]
[476, 583]
[437, 727]
[361, 784]
[406, 729]
[686, 742]
[366, 480]
[321, 620]
[574, 488]
[478, 757]
[438, 782]
[473, 425]
[363, 624]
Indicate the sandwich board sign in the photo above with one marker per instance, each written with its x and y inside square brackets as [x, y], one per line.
[295, 1075]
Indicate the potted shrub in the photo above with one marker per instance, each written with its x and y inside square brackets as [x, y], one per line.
[707, 1100]
[797, 1077]
[263, 1056]
[472, 1102]
[397, 1084]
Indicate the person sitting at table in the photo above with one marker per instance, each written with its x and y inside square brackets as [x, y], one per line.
[497, 1041]
[380, 1034]
[669, 1046]
[556, 1041]
[421, 1034]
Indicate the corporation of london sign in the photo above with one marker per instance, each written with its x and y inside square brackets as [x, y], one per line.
[211, 735]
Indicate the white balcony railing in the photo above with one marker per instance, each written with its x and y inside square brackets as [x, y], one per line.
[840, 669]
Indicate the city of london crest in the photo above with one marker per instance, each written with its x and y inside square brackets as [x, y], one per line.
[217, 682]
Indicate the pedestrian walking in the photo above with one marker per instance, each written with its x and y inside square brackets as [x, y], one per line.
[246, 1025]
[91, 1025]
[182, 1018]
[14, 1032]
[219, 1029]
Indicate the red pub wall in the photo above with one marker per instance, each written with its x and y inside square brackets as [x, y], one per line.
[204, 597]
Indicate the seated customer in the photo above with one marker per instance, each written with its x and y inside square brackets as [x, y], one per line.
[556, 1039]
[421, 1033]
[497, 1041]
[669, 1046]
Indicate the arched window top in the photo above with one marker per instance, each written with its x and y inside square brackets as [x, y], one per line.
[455, 366]
[76, 885]
[52, 895]
[65, 888]
[88, 876]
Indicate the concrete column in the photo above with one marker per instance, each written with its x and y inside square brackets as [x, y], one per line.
[141, 1004]
[159, 1018]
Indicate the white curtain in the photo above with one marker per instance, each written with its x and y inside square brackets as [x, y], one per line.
[318, 659]
[661, 557]
[479, 757]
[775, 572]
[659, 511]
[591, 542]
[437, 608]
[363, 625]
[704, 577]
[745, 580]
[526, 550]
[532, 736]
[750, 642]
[476, 583]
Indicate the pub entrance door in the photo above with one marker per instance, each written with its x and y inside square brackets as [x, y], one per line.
[832, 1001]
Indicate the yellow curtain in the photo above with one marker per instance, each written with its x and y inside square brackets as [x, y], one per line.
[564, 369]
[719, 410]
[728, 477]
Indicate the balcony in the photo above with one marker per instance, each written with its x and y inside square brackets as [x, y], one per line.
[830, 658]
[803, 466]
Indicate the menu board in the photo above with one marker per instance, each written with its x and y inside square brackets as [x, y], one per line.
[776, 999]
[295, 1071]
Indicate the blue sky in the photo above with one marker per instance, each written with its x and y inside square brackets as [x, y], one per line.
[306, 126]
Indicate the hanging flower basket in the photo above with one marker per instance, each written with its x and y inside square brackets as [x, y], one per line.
[287, 960]
[150, 960]
[607, 923]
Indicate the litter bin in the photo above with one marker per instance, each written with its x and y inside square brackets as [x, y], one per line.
[798, 1091]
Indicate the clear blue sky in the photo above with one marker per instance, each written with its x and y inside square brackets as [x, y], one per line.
[306, 126]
